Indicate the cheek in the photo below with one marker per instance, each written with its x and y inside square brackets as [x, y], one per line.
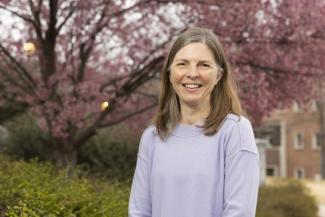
[175, 77]
[211, 79]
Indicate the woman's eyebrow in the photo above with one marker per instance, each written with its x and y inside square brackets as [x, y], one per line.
[205, 61]
[186, 60]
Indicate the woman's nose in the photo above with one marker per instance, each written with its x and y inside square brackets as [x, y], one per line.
[192, 72]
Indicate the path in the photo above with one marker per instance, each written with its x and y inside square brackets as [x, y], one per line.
[317, 188]
[321, 212]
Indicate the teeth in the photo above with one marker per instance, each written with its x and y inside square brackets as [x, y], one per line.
[192, 86]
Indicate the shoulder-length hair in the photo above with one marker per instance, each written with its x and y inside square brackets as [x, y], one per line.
[224, 98]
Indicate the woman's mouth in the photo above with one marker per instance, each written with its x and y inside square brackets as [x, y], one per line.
[192, 86]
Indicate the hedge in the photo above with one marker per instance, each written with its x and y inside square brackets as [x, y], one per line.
[38, 189]
[286, 198]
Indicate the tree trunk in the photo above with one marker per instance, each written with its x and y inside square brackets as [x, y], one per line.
[67, 159]
[66, 156]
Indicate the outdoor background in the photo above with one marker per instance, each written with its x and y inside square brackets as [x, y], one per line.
[79, 82]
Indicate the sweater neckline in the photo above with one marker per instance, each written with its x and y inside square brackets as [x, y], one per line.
[189, 130]
[192, 130]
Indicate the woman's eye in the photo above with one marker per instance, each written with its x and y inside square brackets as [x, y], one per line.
[205, 65]
[180, 64]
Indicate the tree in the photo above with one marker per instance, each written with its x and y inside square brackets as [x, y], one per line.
[276, 48]
[91, 52]
[81, 55]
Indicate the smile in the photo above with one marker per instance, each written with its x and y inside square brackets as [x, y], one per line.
[192, 86]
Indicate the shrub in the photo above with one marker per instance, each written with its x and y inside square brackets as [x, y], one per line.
[26, 140]
[110, 157]
[39, 189]
[36, 189]
[111, 153]
[286, 198]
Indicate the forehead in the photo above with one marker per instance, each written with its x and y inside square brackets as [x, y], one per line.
[195, 51]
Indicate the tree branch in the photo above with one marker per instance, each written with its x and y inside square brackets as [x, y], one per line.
[148, 95]
[71, 12]
[13, 81]
[24, 17]
[129, 115]
[137, 78]
[86, 47]
[37, 24]
[51, 32]
[20, 67]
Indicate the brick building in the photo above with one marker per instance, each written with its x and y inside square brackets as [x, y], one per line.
[294, 135]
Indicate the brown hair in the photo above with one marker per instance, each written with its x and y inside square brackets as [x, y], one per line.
[224, 98]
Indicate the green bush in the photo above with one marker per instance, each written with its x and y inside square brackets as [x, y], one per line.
[111, 153]
[26, 140]
[38, 189]
[110, 157]
[286, 198]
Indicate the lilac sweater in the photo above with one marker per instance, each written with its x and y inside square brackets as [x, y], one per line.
[193, 175]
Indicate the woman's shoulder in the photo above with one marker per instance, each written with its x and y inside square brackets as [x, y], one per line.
[239, 130]
[150, 131]
[149, 134]
[238, 119]
[233, 121]
[146, 142]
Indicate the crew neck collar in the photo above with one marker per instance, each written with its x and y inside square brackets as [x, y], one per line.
[189, 130]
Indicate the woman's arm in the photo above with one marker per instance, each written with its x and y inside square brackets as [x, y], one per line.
[140, 199]
[241, 185]
[242, 172]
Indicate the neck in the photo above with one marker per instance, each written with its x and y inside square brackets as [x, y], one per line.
[193, 114]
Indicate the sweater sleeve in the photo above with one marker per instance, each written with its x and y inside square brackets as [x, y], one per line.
[140, 199]
[241, 172]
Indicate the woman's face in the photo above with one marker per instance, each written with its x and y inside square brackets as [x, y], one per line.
[194, 73]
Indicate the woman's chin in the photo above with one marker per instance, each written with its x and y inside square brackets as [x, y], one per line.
[192, 102]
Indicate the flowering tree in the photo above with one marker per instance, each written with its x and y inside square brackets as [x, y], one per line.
[79, 64]
[83, 54]
[276, 48]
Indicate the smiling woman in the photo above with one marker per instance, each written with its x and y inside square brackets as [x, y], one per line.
[194, 73]
[199, 157]
[196, 56]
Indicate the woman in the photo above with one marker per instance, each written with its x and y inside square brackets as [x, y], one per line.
[199, 158]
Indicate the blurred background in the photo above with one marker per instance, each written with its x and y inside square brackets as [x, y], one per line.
[79, 82]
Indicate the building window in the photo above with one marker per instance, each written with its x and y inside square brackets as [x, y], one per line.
[299, 141]
[299, 173]
[271, 170]
[316, 143]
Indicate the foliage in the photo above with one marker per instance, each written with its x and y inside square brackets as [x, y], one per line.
[87, 52]
[10, 110]
[34, 189]
[38, 189]
[80, 54]
[110, 157]
[112, 153]
[26, 139]
[284, 199]
[275, 52]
